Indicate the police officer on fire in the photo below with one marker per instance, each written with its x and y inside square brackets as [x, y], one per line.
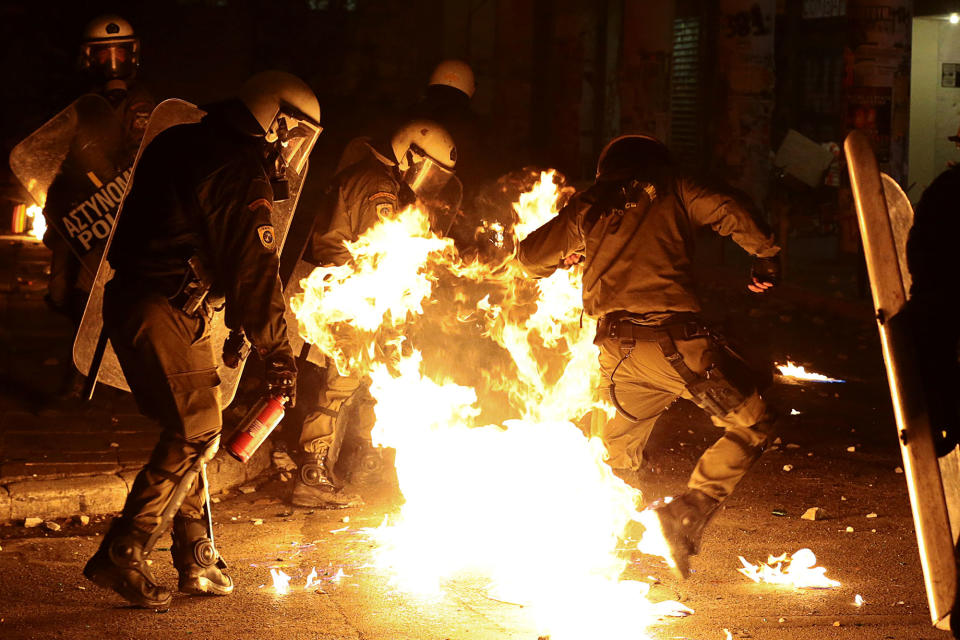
[634, 231]
[372, 182]
[196, 233]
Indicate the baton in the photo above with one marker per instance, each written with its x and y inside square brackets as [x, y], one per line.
[91, 382]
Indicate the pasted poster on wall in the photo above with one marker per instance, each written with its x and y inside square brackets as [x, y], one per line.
[745, 58]
[870, 110]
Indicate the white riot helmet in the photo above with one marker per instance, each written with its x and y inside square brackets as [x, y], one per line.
[426, 156]
[288, 113]
[110, 49]
[456, 74]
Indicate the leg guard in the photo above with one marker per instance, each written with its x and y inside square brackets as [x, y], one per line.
[197, 560]
[183, 488]
[315, 487]
[120, 564]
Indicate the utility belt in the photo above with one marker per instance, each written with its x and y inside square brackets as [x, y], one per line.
[712, 390]
[193, 296]
[628, 327]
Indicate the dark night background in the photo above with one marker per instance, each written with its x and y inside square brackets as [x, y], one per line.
[366, 60]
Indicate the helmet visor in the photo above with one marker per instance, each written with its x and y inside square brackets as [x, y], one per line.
[296, 137]
[112, 60]
[426, 177]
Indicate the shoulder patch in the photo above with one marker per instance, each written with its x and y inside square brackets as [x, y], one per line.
[382, 194]
[260, 202]
[267, 237]
[384, 210]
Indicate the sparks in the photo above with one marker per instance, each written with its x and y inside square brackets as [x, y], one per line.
[797, 571]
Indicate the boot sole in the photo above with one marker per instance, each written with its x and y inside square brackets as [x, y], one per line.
[118, 585]
[201, 586]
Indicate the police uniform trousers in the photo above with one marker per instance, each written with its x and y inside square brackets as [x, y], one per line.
[646, 385]
[320, 421]
[168, 361]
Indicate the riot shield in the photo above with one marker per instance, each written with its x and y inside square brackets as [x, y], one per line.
[76, 166]
[167, 114]
[885, 217]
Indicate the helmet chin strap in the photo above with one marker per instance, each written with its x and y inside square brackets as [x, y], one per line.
[277, 170]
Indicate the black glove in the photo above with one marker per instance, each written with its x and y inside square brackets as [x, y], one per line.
[764, 274]
[235, 349]
[281, 377]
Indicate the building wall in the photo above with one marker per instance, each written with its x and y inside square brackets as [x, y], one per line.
[746, 81]
[924, 83]
[947, 117]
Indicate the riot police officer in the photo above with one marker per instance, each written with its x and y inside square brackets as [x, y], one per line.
[110, 59]
[196, 233]
[634, 231]
[372, 182]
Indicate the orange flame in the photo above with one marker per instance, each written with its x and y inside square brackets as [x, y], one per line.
[797, 571]
[38, 224]
[528, 504]
[281, 582]
[791, 370]
[312, 579]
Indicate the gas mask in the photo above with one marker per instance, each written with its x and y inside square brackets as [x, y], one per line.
[426, 177]
[289, 143]
[111, 60]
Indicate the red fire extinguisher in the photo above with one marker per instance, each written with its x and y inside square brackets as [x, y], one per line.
[259, 423]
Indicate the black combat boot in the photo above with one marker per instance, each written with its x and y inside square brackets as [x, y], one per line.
[683, 522]
[315, 487]
[197, 560]
[121, 564]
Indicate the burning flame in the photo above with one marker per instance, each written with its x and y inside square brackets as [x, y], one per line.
[312, 580]
[653, 542]
[477, 372]
[38, 224]
[797, 571]
[281, 582]
[797, 372]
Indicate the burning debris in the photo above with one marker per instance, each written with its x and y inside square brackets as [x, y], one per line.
[477, 372]
[793, 371]
[799, 571]
[37, 223]
[281, 582]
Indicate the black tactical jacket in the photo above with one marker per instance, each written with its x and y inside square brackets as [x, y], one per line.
[201, 189]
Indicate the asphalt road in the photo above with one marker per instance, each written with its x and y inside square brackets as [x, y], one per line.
[43, 594]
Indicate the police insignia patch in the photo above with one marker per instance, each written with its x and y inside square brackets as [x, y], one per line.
[384, 210]
[267, 237]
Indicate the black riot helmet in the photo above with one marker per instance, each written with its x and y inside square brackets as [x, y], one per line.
[110, 49]
[631, 155]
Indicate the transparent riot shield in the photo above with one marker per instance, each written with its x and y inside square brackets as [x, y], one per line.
[85, 348]
[76, 166]
[885, 216]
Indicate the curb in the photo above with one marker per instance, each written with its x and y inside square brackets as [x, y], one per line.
[99, 495]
